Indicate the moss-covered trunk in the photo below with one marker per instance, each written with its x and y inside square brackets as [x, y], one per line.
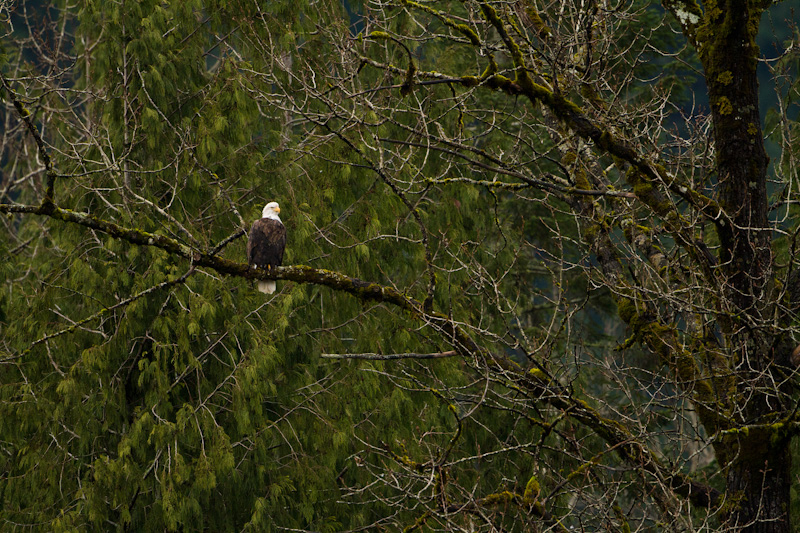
[729, 53]
[757, 460]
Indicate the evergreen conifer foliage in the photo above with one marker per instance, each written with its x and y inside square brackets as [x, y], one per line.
[528, 287]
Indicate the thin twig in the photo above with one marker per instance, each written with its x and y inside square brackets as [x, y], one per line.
[25, 115]
[390, 356]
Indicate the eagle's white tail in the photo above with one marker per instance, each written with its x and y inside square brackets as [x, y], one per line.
[267, 287]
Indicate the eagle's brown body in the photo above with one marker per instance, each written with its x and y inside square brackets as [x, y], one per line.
[266, 244]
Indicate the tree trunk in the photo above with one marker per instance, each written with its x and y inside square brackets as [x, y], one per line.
[729, 53]
[758, 482]
[754, 452]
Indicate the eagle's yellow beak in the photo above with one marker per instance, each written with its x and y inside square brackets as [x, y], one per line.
[277, 209]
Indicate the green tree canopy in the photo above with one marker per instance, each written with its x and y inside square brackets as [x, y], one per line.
[530, 284]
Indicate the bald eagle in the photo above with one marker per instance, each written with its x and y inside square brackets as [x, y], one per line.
[266, 243]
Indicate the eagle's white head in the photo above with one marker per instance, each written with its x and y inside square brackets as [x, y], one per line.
[271, 210]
